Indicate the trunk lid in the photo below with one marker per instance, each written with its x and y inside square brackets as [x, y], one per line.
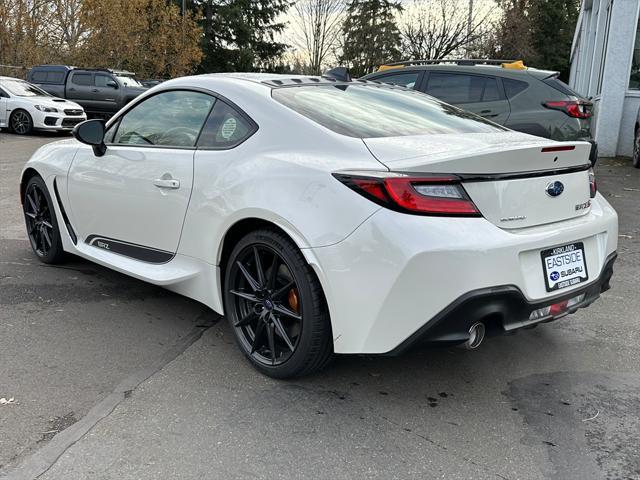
[511, 177]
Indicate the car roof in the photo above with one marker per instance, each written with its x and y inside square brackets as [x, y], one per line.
[479, 68]
[13, 78]
[278, 80]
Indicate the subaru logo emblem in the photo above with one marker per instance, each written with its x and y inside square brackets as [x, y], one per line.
[555, 188]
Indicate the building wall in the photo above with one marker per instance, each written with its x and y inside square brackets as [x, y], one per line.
[600, 67]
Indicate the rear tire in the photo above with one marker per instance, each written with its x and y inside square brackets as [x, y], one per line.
[41, 222]
[267, 285]
[636, 148]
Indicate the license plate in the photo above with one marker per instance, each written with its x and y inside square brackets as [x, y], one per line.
[564, 266]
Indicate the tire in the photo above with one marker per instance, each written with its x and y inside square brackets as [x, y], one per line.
[21, 122]
[287, 288]
[636, 148]
[41, 222]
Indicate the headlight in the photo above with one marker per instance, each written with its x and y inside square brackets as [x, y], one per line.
[42, 108]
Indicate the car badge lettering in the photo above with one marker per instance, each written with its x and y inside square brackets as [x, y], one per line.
[583, 206]
[555, 188]
[102, 244]
[513, 219]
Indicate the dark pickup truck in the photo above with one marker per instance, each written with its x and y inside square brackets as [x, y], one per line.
[101, 92]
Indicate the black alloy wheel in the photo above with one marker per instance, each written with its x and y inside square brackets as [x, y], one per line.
[21, 122]
[42, 227]
[275, 305]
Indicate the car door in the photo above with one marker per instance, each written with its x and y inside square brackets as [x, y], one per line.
[106, 92]
[79, 88]
[479, 94]
[133, 199]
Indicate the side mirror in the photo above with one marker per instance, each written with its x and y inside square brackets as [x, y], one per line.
[112, 84]
[91, 132]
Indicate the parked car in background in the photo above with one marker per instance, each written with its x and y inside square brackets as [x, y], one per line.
[101, 92]
[25, 107]
[636, 142]
[151, 82]
[428, 224]
[524, 99]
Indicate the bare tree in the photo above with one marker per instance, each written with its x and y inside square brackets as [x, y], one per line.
[435, 29]
[318, 24]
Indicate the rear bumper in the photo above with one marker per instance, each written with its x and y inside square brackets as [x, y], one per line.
[396, 274]
[501, 309]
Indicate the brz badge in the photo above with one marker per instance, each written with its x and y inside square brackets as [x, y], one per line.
[102, 244]
[555, 188]
[582, 206]
[512, 219]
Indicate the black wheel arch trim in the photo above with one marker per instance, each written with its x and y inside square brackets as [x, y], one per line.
[128, 249]
[67, 222]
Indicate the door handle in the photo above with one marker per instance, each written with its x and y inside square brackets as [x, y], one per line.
[167, 183]
[95, 90]
[72, 89]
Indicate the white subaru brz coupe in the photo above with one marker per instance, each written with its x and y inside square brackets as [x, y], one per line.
[324, 216]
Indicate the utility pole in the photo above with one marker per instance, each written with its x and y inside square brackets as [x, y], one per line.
[184, 11]
[469, 22]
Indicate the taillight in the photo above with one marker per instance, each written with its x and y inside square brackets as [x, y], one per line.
[421, 195]
[573, 108]
[593, 186]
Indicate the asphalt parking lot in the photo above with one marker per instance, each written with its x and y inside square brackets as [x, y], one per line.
[116, 379]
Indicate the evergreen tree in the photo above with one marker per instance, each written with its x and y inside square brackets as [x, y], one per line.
[240, 35]
[371, 36]
[553, 23]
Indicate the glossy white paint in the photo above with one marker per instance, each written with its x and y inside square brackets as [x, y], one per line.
[28, 104]
[117, 195]
[385, 274]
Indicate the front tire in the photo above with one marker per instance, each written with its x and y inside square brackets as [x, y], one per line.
[636, 148]
[21, 122]
[41, 222]
[276, 307]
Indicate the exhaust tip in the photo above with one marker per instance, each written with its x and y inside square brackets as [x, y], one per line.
[476, 336]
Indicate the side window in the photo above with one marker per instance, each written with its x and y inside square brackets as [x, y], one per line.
[81, 78]
[102, 80]
[55, 77]
[111, 132]
[168, 119]
[491, 92]
[3, 94]
[39, 77]
[513, 87]
[408, 79]
[225, 128]
[456, 88]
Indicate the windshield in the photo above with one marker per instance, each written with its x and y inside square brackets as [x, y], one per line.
[20, 88]
[128, 81]
[369, 111]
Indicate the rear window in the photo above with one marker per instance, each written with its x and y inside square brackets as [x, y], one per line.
[513, 87]
[559, 85]
[43, 76]
[371, 111]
